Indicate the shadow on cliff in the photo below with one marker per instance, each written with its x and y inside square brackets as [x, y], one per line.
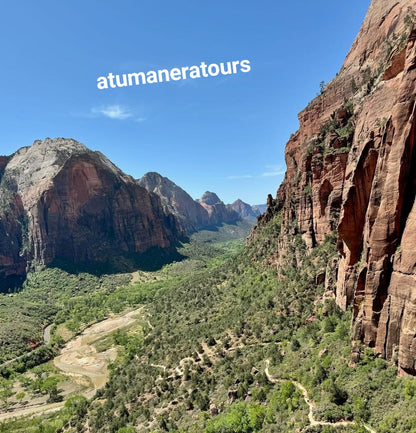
[152, 260]
[11, 283]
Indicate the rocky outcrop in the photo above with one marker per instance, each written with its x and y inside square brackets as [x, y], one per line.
[3, 162]
[192, 215]
[218, 212]
[244, 209]
[351, 172]
[61, 201]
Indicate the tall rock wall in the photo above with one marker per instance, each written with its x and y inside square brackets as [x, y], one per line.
[351, 171]
[61, 201]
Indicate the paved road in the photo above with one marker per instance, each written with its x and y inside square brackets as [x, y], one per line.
[47, 334]
[46, 341]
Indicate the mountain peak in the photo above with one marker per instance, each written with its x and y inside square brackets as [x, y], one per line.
[243, 209]
[154, 176]
[34, 167]
[210, 198]
[192, 214]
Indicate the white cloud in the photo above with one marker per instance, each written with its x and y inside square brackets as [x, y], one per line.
[113, 112]
[274, 170]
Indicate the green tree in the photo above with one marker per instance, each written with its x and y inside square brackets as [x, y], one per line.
[50, 386]
[242, 418]
[409, 389]
[6, 391]
[76, 405]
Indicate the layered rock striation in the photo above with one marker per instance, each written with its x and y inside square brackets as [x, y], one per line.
[351, 171]
[62, 201]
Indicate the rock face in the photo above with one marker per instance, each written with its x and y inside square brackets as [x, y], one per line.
[218, 212]
[61, 201]
[244, 209]
[351, 171]
[192, 215]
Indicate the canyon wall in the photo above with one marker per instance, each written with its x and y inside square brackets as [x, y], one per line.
[62, 201]
[351, 172]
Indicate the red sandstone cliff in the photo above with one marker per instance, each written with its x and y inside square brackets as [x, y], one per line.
[351, 170]
[61, 201]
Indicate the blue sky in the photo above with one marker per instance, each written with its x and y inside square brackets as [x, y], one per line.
[224, 134]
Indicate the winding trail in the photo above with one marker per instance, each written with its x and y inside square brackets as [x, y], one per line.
[311, 405]
[80, 359]
[313, 421]
[177, 369]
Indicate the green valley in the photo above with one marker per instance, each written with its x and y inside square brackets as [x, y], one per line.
[223, 345]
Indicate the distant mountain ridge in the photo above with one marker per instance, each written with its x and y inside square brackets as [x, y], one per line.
[218, 212]
[62, 202]
[244, 209]
[260, 208]
[193, 215]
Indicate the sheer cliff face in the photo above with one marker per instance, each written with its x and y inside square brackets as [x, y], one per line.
[63, 201]
[351, 170]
